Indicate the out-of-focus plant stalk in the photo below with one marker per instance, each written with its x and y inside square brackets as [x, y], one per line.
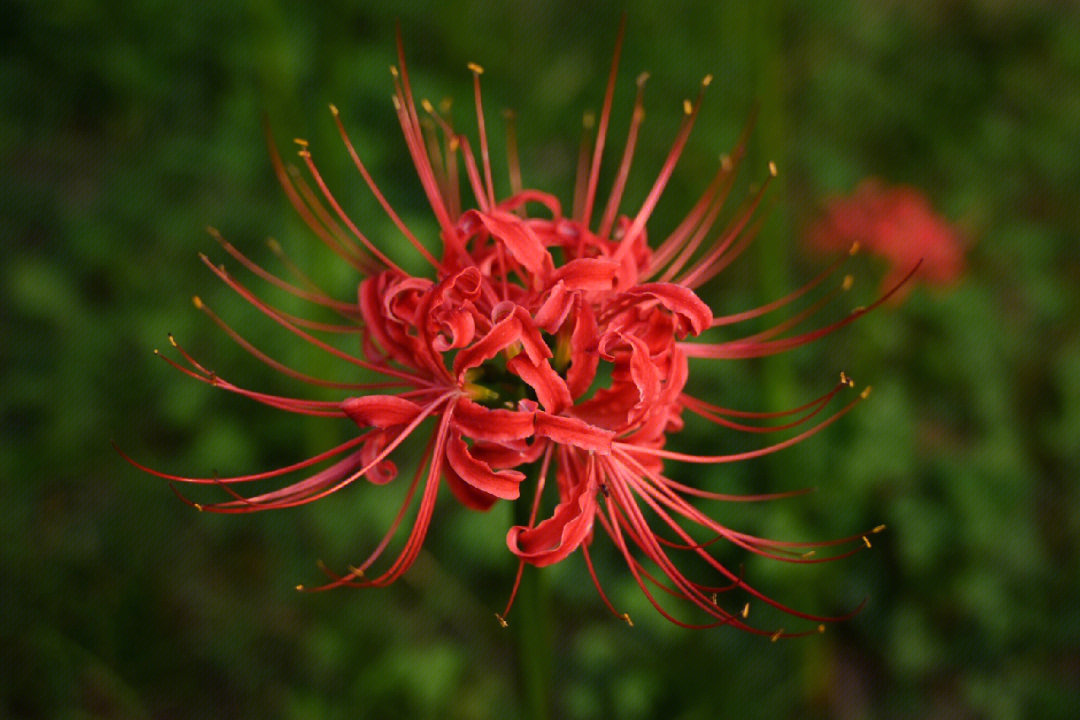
[766, 49]
[532, 628]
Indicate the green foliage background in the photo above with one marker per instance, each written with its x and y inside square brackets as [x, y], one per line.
[125, 128]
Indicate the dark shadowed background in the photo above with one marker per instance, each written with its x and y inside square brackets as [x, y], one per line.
[126, 128]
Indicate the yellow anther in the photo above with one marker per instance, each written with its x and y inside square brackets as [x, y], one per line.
[198, 507]
[454, 144]
[300, 588]
[356, 572]
[746, 611]
[878, 529]
[642, 79]
[705, 81]
[867, 541]
[393, 71]
[854, 248]
[172, 340]
[197, 302]
[809, 554]
[772, 169]
[397, 102]
[502, 620]
[480, 393]
[712, 598]
[304, 154]
[849, 280]
[687, 107]
[428, 107]
[866, 392]
[626, 617]
[777, 635]
[821, 628]
[301, 142]
[475, 68]
[334, 110]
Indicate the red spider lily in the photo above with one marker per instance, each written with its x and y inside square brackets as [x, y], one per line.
[550, 340]
[896, 223]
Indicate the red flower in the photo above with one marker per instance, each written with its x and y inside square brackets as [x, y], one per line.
[539, 339]
[896, 223]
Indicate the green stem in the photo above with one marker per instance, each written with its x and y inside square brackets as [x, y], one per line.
[774, 244]
[531, 625]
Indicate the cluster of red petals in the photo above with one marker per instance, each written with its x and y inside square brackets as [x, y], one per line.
[542, 343]
[896, 223]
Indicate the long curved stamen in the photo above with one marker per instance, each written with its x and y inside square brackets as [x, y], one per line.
[318, 487]
[690, 112]
[719, 189]
[312, 213]
[749, 454]
[276, 316]
[707, 267]
[485, 155]
[737, 349]
[305, 155]
[284, 369]
[414, 140]
[725, 181]
[845, 381]
[252, 477]
[798, 318]
[358, 571]
[581, 177]
[661, 556]
[767, 308]
[617, 188]
[601, 130]
[378, 195]
[313, 296]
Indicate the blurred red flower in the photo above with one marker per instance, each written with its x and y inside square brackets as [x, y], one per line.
[548, 340]
[896, 223]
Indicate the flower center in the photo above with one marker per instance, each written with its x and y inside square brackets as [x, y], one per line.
[494, 386]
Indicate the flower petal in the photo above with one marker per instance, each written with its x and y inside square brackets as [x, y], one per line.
[505, 484]
[466, 494]
[571, 431]
[588, 274]
[381, 411]
[518, 238]
[381, 472]
[550, 389]
[694, 315]
[555, 308]
[556, 537]
[504, 333]
[584, 359]
[480, 423]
